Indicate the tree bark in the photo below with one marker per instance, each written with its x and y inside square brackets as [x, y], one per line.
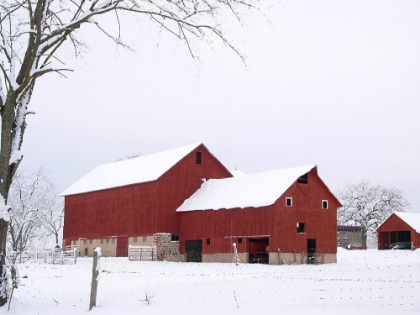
[3, 270]
[7, 171]
[364, 237]
[7, 118]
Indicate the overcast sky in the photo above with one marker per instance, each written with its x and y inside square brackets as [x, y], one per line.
[331, 83]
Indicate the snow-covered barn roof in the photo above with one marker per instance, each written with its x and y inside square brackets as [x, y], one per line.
[237, 173]
[254, 190]
[132, 171]
[411, 218]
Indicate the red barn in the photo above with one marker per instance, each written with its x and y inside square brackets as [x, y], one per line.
[400, 230]
[285, 216]
[127, 202]
[188, 204]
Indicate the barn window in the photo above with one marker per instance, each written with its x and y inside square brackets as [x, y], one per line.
[113, 240]
[324, 204]
[107, 240]
[135, 239]
[102, 241]
[288, 201]
[144, 239]
[303, 179]
[90, 241]
[84, 242]
[198, 158]
[208, 241]
[175, 238]
[300, 227]
[239, 240]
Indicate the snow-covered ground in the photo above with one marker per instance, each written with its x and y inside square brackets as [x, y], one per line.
[362, 282]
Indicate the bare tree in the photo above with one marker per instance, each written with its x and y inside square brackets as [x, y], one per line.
[33, 32]
[36, 212]
[53, 219]
[24, 222]
[368, 206]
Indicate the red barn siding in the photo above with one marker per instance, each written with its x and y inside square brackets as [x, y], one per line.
[139, 209]
[277, 221]
[111, 212]
[181, 182]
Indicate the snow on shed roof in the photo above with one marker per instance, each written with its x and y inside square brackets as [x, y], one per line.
[254, 190]
[411, 218]
[132, 171]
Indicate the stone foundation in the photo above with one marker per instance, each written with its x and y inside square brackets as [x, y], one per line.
[286, 258]
[141, 241]
[165, 245]
[87, 247]
[301, 258]
[224, 258]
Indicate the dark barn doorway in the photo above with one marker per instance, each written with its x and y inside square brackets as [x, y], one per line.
[258, 250]
[194, 250]
[396, 240]
[311, 249]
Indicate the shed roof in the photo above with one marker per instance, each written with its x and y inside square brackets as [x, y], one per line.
[254, 190]
[411, 218]
[132, 171]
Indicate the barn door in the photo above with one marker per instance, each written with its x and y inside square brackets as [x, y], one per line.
[311, 249]
[122, 246]
[258, 250]
[193, 250]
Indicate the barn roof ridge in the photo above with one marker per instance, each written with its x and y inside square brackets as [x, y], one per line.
[131, 171]
[251, 190]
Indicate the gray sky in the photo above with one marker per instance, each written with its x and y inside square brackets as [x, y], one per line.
[331, 83]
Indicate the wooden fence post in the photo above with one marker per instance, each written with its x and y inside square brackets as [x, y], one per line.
[95, 276]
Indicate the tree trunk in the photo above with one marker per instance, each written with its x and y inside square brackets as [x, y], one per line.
[364, 237]
[3, 270]
[7, 170]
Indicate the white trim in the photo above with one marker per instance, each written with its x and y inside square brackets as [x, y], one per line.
[322, 204]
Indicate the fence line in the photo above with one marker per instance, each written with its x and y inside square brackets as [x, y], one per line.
[47, 256]
[145, 253]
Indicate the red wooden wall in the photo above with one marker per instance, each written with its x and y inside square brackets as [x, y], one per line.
[394, 224]
[277, 221]
[139, 209]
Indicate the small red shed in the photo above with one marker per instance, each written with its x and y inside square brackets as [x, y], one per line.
[400, 231]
